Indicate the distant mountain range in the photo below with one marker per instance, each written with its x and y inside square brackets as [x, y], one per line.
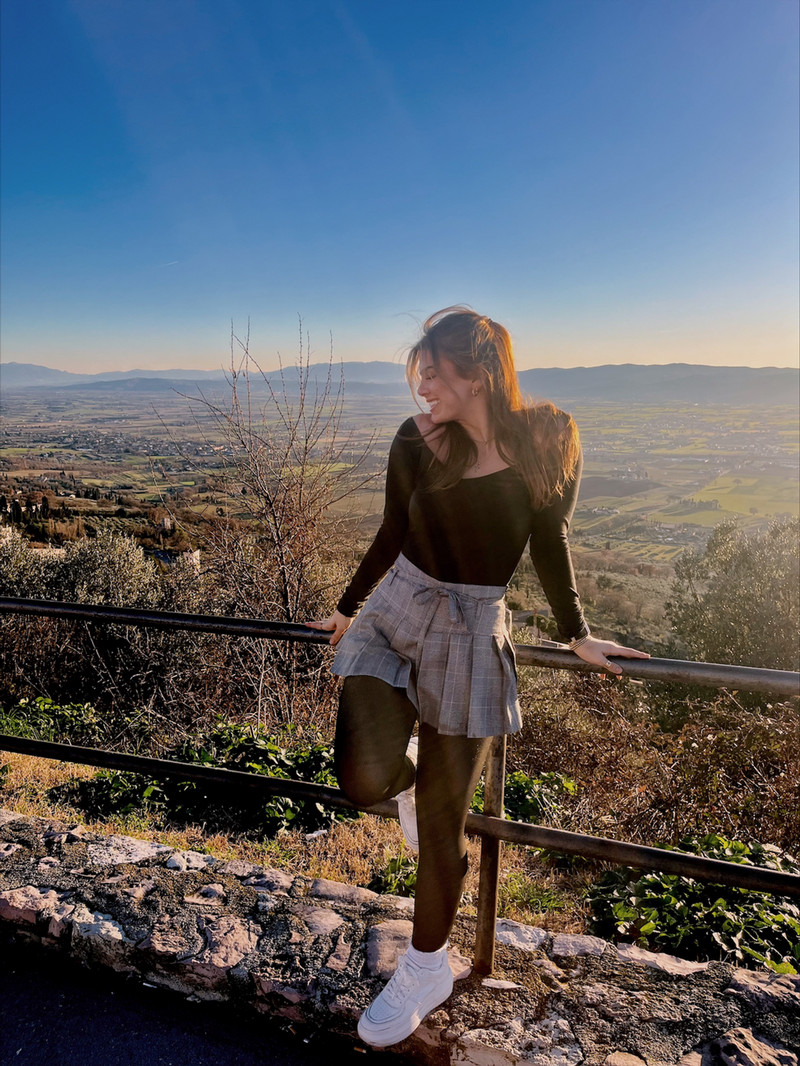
[628, 382]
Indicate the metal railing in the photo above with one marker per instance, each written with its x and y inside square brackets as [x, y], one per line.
[492, 827]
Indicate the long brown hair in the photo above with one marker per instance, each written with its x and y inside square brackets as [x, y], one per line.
[538, 439]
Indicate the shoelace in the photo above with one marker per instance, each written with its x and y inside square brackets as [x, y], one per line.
[402, 984]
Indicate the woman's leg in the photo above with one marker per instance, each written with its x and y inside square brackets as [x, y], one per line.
[373, 729]
[447, 773]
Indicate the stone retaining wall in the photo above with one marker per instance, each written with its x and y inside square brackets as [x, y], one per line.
[317, 951]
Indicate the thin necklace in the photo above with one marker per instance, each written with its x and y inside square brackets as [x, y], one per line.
[476, 440]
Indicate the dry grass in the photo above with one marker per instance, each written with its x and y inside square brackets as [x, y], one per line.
[29, 779]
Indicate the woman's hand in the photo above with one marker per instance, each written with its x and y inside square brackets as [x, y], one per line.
[338, 622]
[596, 651]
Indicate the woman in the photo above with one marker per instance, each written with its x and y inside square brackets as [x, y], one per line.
[469, 483]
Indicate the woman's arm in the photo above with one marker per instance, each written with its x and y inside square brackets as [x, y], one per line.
[549, 548]
[551, 557]
[401, 474]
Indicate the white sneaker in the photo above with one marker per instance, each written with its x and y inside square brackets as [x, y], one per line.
[412, 993]
[407, 802]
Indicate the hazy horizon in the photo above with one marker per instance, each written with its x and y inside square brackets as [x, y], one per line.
[615, 182]
[400, 366]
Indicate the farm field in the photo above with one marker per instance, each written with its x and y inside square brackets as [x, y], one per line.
[664, 464]
[657, 477]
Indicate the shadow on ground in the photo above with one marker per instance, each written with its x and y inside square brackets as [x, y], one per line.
[57, 1013]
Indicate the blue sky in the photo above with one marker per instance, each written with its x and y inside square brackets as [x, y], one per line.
[614, 180]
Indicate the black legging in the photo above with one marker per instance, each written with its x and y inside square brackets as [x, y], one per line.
[372, 732]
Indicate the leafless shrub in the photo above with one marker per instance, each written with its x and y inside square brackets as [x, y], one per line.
[275, 551]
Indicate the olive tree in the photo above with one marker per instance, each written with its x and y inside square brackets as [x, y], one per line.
[140, 679]
[738, 601]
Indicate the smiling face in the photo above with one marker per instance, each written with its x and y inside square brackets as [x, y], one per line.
[450, 397]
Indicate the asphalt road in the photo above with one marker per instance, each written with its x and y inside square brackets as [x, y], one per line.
[55, 1013]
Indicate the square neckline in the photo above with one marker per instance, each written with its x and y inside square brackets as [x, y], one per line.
[464, 477]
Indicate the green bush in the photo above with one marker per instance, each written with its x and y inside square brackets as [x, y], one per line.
[43, 719]
[738, 601]
[232, 747]
[531, 799]
[696, 920]
[112, 792]
[113, 666]
[23, 571]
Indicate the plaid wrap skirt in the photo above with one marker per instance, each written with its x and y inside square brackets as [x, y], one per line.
[448, 645]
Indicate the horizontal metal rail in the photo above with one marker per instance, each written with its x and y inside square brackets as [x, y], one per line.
[492, 827]
[756, 878]
[682, 671]
[716, 675]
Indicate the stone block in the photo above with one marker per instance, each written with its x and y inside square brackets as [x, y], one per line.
[268, 986]
[71, 835]
[659, 961]
[460, 965]
[24, 904]
[239, 868]
[227, 941]
[58, 919]
[189, 860]
[524, 937]
[386, 942]
[173, 939]
[120, 850]
[549, 1042]
[572, 944]
[207, 896]
[500, 986]
[764, 991]
[320, 921]
[139, 891]
[99, 939]
[742, 1047]
[275, 881]
[339, 892]
[400, 903]
[340, 956]
[548, 967]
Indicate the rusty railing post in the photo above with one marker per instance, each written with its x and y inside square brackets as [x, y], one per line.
[493, 789]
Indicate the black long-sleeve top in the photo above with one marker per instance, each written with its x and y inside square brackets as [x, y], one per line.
[472, 533]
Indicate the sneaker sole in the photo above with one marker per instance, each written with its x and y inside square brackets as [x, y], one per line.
[389, 1036]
